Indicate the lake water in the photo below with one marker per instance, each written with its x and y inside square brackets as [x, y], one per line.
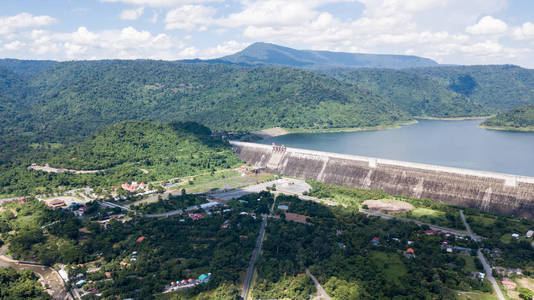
[448, 143]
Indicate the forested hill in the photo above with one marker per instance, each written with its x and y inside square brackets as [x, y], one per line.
[78, 98]
[271, 54]
[521, 118]
[129, 150]
[418, 95]
[499, 87]
[26, 67]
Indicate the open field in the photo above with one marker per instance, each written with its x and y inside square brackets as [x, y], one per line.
[388, 205]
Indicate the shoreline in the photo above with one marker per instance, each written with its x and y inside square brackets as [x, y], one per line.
[454, 118]
[499, 128]
[266, 133]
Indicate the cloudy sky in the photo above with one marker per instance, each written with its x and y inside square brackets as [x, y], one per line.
[448, 31]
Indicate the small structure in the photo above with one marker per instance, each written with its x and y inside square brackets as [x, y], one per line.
[529, 234]
[132, 187]
[283, 207]
[56, 203]
[204, 278]
[209, 205]
[375, 241]
[140, 239]
[80, 283]
[515, 235]
[462, 249]
[508, 284]
[196, 216]
[478, 275]
[409, 253]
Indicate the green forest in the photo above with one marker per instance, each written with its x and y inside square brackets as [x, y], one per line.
[521, 118]
[126, 151]
[418, 95]
[20, 285]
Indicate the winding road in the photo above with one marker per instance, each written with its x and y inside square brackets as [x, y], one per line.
[485, 264]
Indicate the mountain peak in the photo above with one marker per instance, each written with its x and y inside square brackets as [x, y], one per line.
[261, 53]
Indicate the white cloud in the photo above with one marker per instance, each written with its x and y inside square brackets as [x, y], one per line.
[14, 45]
[226, 48]
[127, 43]
[271, 13]
[154, 18]
[12, 24]
[159, 3]
[131, 14]
[488, 25]
[526, 31]
[190, 17]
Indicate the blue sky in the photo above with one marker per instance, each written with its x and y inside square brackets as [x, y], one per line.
[449, 31]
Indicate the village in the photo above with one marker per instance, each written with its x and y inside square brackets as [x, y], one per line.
[133, 200]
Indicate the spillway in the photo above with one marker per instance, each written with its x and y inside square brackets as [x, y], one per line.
[494, 192]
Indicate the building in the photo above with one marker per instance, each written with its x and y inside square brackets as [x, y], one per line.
[409, 253]
[209, 205]
[134, 186]
[56, 203]
[530, 233]
[515, 235]
[508, 284]
[204, 278]
[375, 241]
[140, 239]
[283, 207]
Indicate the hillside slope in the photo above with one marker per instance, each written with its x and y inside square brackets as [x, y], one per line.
[498, 87]
[271, 54]
[78, 98]
[521, 119]
[122, 151]
[416, 94]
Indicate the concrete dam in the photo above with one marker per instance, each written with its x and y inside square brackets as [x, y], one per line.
[487, 191]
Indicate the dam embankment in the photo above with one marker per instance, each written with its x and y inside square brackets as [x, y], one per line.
[500, 193]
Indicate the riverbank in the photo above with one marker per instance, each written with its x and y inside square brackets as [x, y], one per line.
[279, 131]
[507, 128]
[455, 118]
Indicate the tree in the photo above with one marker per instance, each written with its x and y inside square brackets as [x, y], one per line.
[526, 294]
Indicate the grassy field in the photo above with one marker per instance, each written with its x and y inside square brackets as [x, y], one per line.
[392, 266]
[475, 296]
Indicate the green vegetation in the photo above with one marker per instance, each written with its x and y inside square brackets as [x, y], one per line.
[173, 203]
[425, 210]
[20, 285]
[418, 95]
[337, 249]
[521, 119]
[78, 98]
[165, 150]
[496, 87]
[498, 230]
[271, 54]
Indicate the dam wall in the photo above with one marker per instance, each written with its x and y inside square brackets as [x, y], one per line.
[487, 191]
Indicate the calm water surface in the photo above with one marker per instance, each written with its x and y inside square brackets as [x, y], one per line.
[449, 143]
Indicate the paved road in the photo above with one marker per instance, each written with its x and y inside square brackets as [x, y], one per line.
[322, 292]
[291, 186]
[433, 227]
[113, 205]
[255, 255]
[485, 264]
[165, 214]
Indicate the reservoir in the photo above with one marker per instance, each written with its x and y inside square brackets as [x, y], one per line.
[448, 143]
